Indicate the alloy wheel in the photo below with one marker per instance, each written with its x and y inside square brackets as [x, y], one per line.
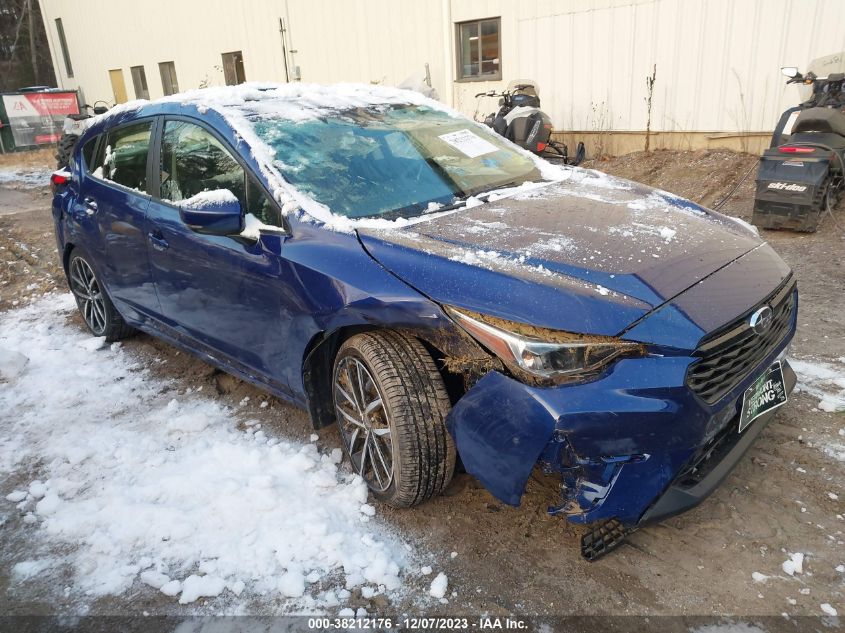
[89, 296]
[363, 423]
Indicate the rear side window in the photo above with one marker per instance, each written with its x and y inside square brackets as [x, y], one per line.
[125, 156]
[88, 153]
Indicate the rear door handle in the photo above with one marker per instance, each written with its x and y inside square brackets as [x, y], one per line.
[158, 242]
[90, 206]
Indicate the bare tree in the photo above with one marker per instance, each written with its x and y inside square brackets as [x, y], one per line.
[33, 58]
[649, 84]
[20, 21]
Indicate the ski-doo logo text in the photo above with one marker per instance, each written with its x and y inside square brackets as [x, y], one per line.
[783, 186]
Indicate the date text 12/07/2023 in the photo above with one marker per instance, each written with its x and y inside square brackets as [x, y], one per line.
[422, 623]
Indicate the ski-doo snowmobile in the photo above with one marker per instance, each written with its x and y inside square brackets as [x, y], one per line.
[800, 176]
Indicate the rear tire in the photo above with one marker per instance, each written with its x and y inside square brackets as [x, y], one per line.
[387, 389]
[97, 310]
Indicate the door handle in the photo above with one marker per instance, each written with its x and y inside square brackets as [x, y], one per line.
[158, 242]
[90, 206]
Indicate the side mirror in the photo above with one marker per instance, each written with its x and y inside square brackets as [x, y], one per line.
[215, 212]
[789, 71]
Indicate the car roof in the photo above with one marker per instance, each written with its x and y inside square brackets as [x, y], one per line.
[240, 104]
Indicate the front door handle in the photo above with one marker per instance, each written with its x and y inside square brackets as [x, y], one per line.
[158, 242]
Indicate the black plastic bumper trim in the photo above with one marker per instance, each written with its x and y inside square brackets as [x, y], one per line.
[677, 499]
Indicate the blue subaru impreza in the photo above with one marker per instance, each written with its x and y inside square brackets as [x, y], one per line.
[443, 296]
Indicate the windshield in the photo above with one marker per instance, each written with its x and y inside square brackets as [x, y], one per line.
[392, 162]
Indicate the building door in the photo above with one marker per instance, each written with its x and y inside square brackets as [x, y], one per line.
[233, 68]
[118, 86]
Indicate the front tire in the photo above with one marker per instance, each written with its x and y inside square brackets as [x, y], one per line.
[97, 310]
[391, 403]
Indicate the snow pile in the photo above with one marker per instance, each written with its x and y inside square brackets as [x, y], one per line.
[794, 564]
[210, 199]
[667, 234]
[136, 486]
[439, 586]
[26, 178]
[12, 364]
[253, 227]
[828, 610]
[824, 381]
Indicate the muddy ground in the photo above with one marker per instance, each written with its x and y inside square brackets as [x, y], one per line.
[520, 559]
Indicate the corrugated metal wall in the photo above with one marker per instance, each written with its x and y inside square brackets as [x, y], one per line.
[717, 60]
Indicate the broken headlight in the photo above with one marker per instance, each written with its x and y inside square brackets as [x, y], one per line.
[550, 355]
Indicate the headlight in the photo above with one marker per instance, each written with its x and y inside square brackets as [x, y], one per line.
[550, 355]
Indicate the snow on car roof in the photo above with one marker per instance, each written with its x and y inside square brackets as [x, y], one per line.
[298, 101]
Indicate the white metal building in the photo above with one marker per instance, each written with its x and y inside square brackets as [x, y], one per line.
[716, 62]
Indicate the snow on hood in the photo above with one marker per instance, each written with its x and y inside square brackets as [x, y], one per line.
[591, 254]
[590, 230]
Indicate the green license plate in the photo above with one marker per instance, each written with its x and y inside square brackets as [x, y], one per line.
[767, 393]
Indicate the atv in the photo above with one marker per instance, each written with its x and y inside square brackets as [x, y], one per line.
[800, 176]
[72, 128]
[520, 120]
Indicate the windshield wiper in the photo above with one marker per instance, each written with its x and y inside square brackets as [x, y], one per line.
[481, 194]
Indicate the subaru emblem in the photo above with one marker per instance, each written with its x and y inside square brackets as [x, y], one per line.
[761, 320]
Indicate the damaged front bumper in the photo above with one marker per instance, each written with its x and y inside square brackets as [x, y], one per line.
[633, 447]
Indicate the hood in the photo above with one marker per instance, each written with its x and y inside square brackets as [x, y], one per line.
[589, 254]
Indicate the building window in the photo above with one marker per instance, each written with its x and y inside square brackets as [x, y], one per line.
[233, 68]
[139, 80]
[479, 49]
[168, 78]
[63, 45]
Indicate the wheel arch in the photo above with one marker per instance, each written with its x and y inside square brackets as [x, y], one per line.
[318, 367]
[68, 249]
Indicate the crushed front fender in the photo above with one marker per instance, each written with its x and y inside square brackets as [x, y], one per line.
[501, 428]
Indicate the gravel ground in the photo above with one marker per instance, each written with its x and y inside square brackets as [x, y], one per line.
[777, 501]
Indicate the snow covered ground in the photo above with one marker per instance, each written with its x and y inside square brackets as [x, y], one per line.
[25, 178]
[182, 494]
[825, 381]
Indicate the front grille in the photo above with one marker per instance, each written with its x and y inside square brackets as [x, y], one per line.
[729, 355]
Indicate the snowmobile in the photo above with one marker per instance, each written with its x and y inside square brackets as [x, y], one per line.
[72, 128]
[520, 120]
[800, 176]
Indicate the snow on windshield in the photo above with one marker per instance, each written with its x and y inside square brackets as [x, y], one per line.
[245, 105]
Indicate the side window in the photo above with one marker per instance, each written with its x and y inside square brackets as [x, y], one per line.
[88, 153]
[193, 161]
[259, 206]
[125, 156]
